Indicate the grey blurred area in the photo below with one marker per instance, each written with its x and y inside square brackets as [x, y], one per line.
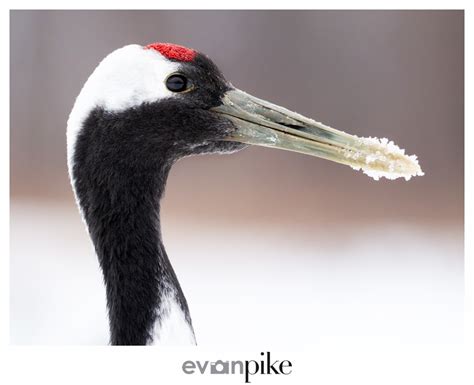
[394, 74]
[260, 230]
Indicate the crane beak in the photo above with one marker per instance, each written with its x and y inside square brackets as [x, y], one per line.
[261, 123]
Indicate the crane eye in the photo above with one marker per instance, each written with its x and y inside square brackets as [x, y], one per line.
[177, 83]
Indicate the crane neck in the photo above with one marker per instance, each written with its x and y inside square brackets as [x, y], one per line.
[119, 193]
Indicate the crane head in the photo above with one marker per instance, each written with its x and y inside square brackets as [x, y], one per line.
[179, 104]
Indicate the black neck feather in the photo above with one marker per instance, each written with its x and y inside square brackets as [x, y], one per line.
[119, 190]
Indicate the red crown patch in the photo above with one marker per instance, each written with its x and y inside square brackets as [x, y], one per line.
[173, 51]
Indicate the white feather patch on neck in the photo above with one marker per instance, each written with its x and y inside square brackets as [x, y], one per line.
[171, 327]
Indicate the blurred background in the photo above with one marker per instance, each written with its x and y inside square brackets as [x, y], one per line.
[264, 242]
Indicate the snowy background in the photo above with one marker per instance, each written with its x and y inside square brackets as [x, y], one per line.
[268, 245]
[296, 283]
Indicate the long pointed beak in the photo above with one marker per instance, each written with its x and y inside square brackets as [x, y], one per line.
[259, 122]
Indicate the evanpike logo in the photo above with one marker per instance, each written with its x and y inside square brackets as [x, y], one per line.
[248, 368]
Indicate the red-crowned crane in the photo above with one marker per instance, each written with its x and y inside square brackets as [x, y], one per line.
[142, 109]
